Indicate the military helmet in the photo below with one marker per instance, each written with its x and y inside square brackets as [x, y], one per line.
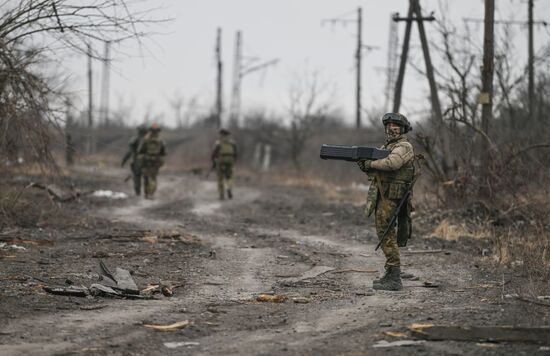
[154, 127]
[142, 129]
[224, 132]
[398, 119]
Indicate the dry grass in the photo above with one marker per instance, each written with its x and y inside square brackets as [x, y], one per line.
[25, 207]
[528, 250]
[448, 230]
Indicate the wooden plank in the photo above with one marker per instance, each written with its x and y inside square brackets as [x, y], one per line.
[312, 273]
[171, 327]
[417, 252]
[73, 291]
[538, 335]
[358, 270]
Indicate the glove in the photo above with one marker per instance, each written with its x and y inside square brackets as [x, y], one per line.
[364, 165]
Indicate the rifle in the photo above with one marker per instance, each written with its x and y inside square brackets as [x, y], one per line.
[393, 219]
[211, 169]
[352, 153]
[126, 158]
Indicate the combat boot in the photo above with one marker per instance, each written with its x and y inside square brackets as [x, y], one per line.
[229, 194]
[392, 281]
[381, 279]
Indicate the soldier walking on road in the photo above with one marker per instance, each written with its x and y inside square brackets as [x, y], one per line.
[151, 155]
[223, 158]
[133, 146]
[390, 178]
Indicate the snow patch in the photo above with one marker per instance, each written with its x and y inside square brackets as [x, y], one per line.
[110, 194]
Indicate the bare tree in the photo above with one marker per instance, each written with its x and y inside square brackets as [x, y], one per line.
[482, 160]
[308, 102]
[72, 23]
[177, 101]
[191, 111]
[26, 97]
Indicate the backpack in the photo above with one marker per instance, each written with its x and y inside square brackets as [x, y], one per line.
[152, 152]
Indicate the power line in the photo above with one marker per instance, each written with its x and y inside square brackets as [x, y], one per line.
[506, 22]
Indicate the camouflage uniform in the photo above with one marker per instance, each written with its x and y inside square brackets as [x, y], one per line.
[390, 178]
[391, 175]
[151, 155]
[223, 158]
[133, 146]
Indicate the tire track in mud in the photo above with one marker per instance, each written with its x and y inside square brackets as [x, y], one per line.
[235, 273]
[239, 273]
[239, 280]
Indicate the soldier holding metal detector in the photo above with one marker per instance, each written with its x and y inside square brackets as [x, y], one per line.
[391, 171]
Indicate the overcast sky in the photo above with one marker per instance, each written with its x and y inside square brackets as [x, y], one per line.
[179, 61]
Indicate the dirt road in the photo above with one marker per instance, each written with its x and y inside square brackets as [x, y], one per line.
[275, 240]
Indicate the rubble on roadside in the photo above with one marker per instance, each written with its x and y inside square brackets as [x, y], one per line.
[117, 284]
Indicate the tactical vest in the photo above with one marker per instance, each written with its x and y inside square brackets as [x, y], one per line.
[226, 153]
[395, 183]
[153, 150]
[389, 184]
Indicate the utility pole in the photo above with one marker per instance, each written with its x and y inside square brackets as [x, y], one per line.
[235, 108]
[240, 70]
[219, 66]
[105, 84]
[530, 50]
[414, 8]
[358, 69]
[392, 61]
[530, 62]
[404, 56]
[91, 138]
[415, 14]
[486, 96]
[436, 106]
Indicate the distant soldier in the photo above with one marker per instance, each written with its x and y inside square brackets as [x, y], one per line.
[390, 178]
[151, 155]
[133, 153]
[223, 158]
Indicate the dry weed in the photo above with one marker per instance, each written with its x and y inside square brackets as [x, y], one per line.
[450, 231]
